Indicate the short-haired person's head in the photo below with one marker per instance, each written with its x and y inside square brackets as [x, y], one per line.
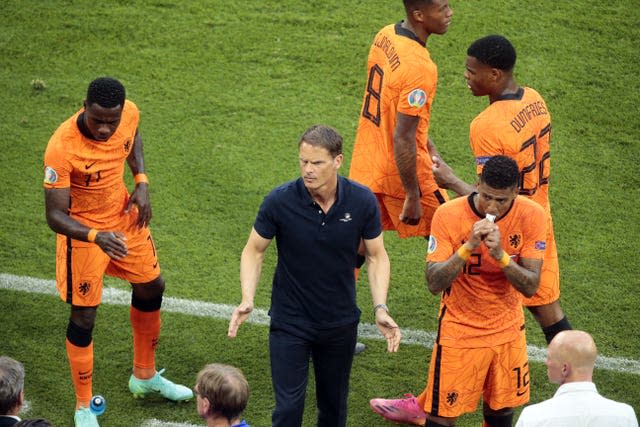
[103, 106]
[11, 385]
[224, 389]
[323, 136]
[500, 172]
[571, 356]
[107, 92]
[411, 5]
[495, 51]
[498, 186]
[428, 17]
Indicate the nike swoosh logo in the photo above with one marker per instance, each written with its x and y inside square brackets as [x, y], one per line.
[90, 164]
[520, 393]
[155, 265]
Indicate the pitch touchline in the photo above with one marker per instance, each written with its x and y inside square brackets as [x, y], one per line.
[258, 316]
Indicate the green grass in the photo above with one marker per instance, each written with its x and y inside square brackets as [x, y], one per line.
[225, 89]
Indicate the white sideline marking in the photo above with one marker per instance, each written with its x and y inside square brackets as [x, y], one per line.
[259, 316]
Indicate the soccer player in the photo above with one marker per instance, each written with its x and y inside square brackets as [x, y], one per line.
[318, 221]
[485, 252]
[102, 229]
[571, 357]
[392, 152]
[222, 393]
[516, 124]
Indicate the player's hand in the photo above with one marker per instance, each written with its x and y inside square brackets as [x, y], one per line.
[112, 243]
[479, 232]
[411, 210]
[140, 198]
[493, 241]
[240, 314]
[389, 329]
[442, 173]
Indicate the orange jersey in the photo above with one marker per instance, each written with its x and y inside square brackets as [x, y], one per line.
[93, 170]
[481, 308]
[517, 126]
[402, 79]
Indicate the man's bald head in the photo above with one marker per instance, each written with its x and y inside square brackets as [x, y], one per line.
[571, 357]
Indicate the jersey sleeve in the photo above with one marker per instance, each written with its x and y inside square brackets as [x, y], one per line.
[440, 246]
[57, 167]
[414, 91]
[536, 230]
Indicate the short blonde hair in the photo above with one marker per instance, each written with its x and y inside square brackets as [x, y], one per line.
[225, 387]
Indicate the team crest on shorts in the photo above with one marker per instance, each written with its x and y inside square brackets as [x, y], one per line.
[433, 245]
[417, 98]
[50, 175]
[452, 398]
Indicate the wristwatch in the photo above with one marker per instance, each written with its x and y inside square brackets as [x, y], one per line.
[382, 306]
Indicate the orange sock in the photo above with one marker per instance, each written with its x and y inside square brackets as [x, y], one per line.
[146, 333]
[81, 364]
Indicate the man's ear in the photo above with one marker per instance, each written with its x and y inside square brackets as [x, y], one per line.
[566, 370]
[417, 15]
[496, 74]
[206, 405]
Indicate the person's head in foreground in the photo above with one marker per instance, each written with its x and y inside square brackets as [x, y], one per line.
[222, 393]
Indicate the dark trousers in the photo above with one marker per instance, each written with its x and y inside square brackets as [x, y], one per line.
[331, 351]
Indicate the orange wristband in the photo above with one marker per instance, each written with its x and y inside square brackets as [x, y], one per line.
[140, 178]
[505, 260]
[91, 237]
[464, 253]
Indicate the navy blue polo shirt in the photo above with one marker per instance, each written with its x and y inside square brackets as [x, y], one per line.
[313, 283]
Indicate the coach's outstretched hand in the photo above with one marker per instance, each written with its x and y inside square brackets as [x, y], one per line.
[389, 329]
[240, 314]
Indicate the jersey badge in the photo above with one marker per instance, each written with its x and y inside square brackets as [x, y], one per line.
[50, 175]
[417, 98]
[127, 145]
[346, 218]
[541, 245]
[433, 245]
[515, 240]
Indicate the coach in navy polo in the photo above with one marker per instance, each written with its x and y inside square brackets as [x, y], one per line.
[318, 221]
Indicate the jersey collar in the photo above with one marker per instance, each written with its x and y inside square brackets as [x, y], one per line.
[401, 31]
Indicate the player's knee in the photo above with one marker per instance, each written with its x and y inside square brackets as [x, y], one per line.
[143, 300]
[552, 330]
[78, 335]
[83, 317]
[498, 418]
[148, 291]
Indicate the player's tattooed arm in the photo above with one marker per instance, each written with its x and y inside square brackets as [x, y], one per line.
[440, 275]
[524, 276]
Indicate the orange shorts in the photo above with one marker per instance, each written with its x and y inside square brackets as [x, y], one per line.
[83, 287]
[549, 289]
[391, 208]
[459, 376]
